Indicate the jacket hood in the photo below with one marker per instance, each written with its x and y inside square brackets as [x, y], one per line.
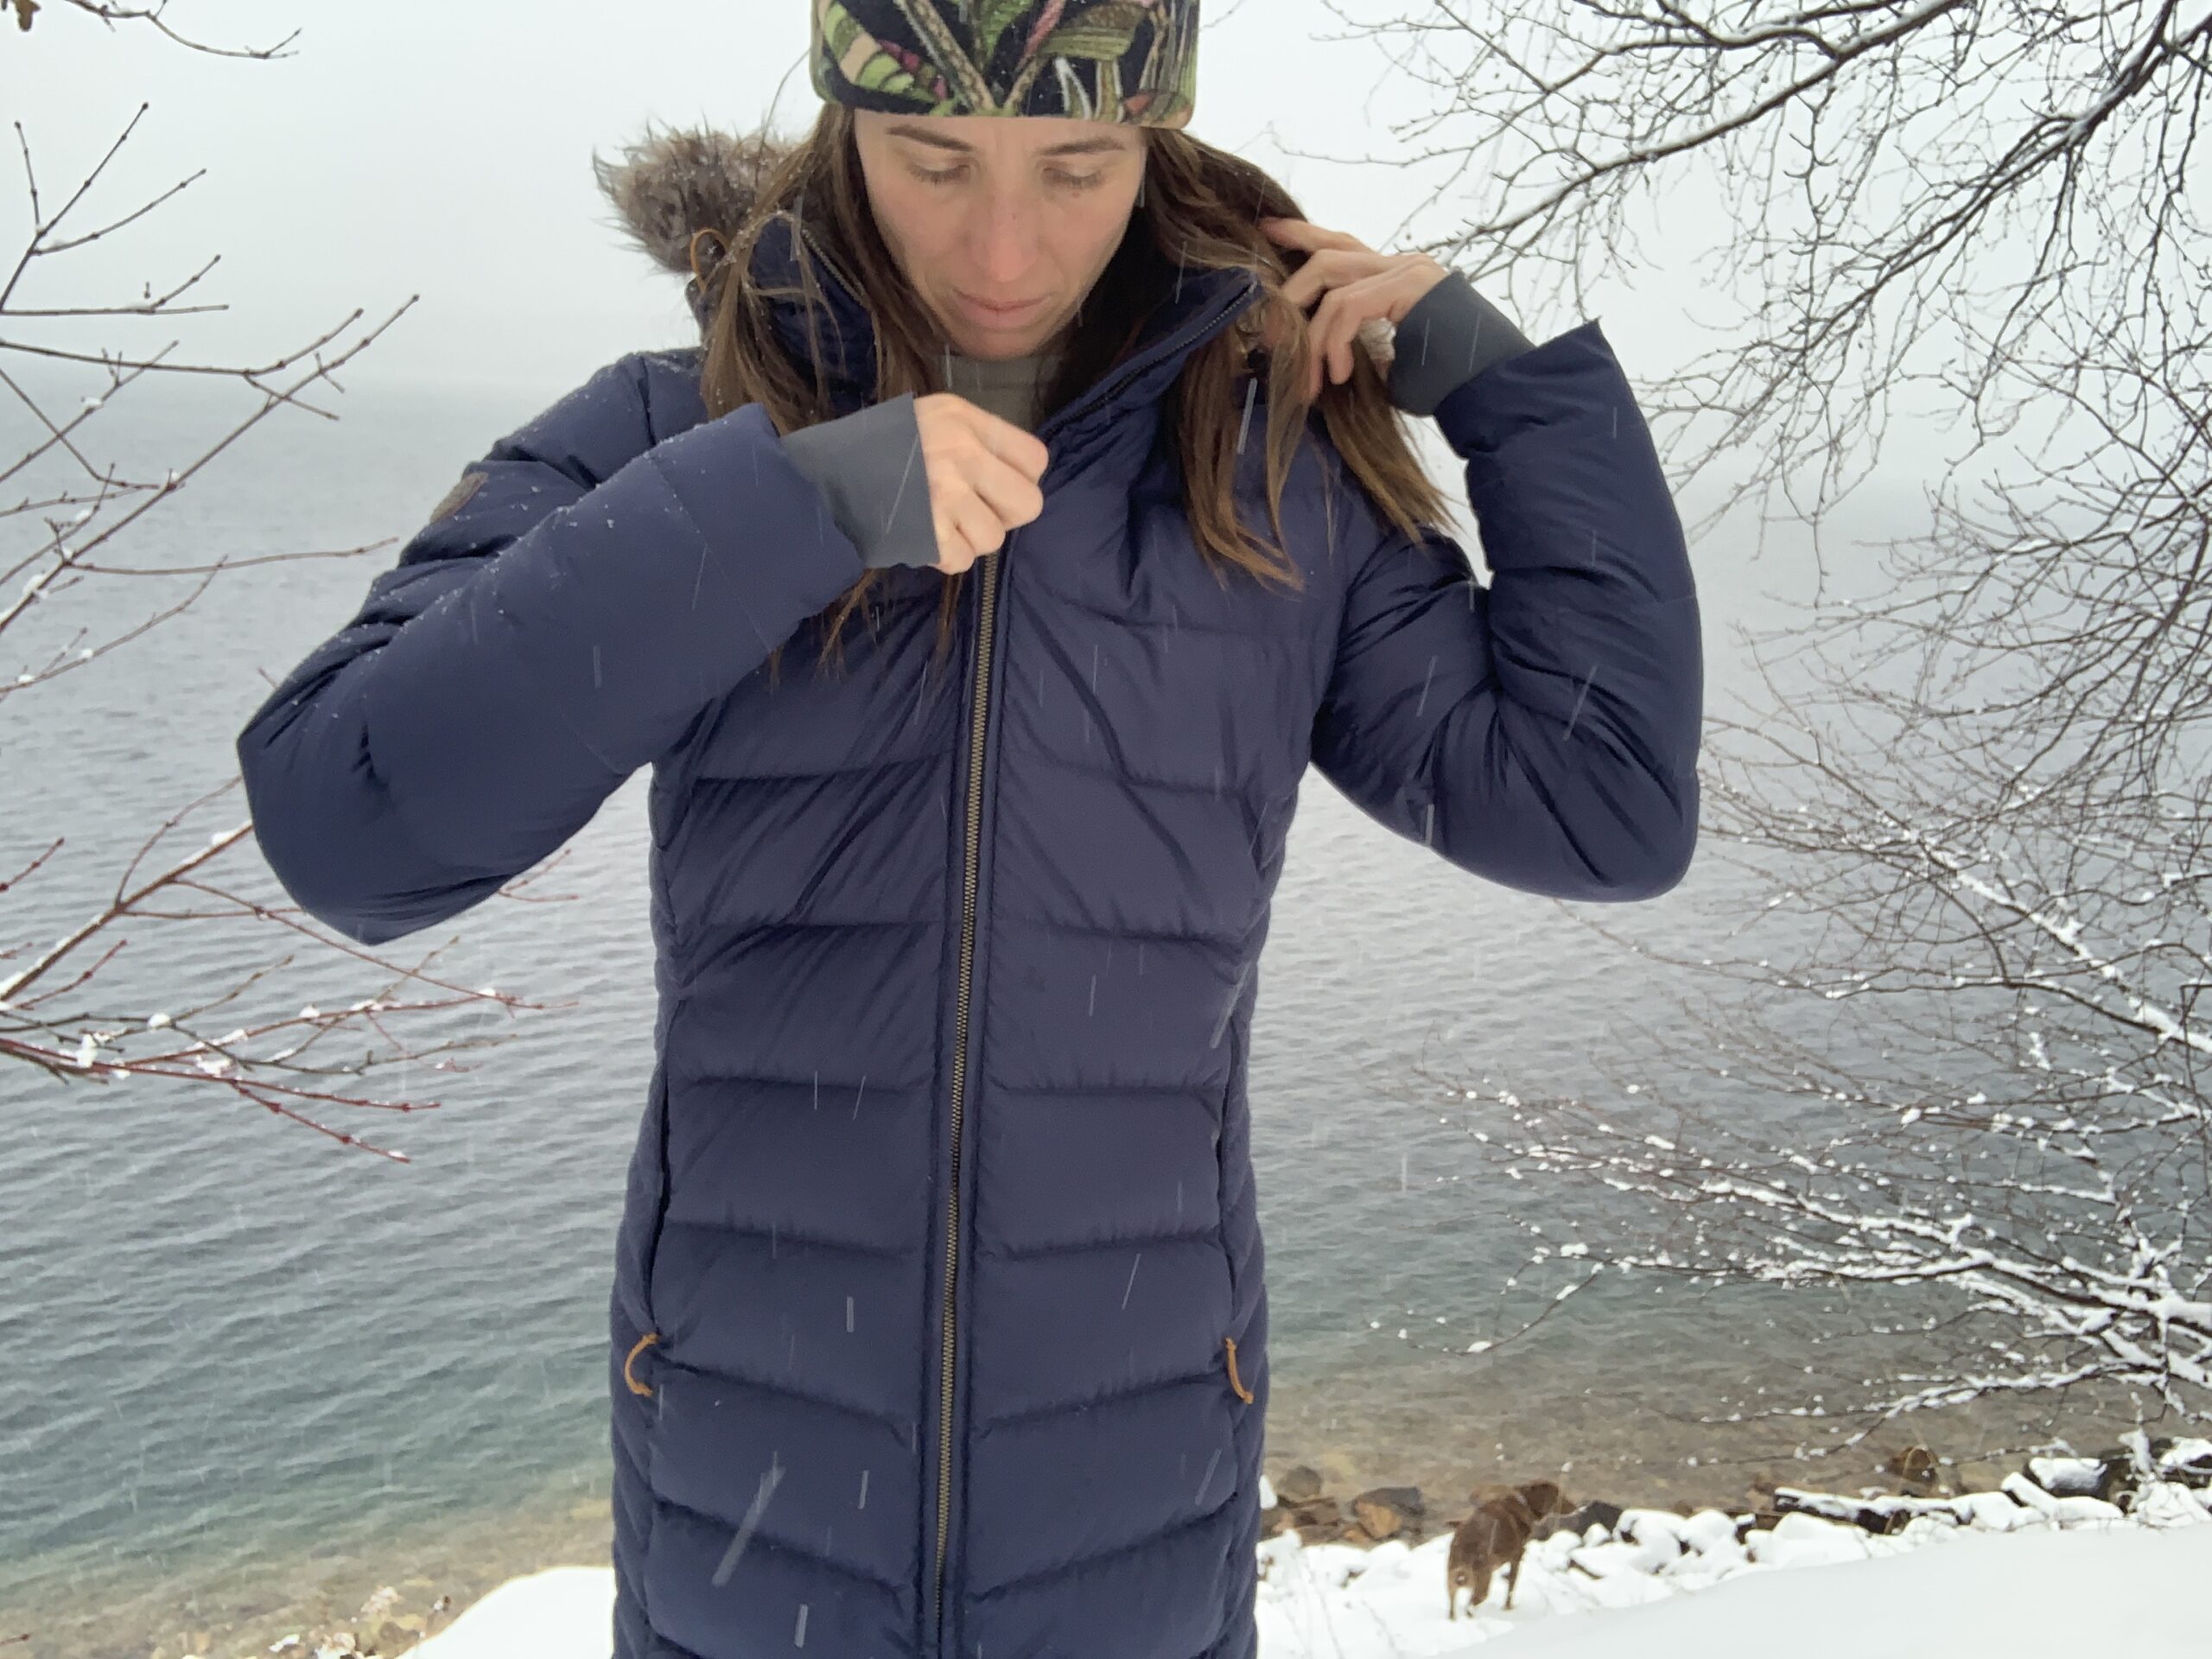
[669, 186]
[672, 185]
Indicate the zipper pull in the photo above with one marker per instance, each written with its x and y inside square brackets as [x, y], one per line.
[638, 1347]
[1235, 1382]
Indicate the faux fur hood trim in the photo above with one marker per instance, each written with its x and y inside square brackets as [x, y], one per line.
[668, 186]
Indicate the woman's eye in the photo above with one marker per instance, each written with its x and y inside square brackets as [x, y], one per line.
[1074, 180]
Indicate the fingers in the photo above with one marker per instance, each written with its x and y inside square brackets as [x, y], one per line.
[1024, 451]
[1333, 331]
[958, 426]
[1328, 353]
[983, 474]
[1007, 491]
[1305, 233]
[966, 530]
[1346, 283]
[1004, 466]
[1327, 268]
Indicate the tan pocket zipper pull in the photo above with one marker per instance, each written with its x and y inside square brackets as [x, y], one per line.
[637, 1348]
[1242, 1393]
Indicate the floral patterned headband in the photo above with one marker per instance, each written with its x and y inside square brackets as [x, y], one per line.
[1125, 61]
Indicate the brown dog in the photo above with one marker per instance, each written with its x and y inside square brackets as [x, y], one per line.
[1494, 1537]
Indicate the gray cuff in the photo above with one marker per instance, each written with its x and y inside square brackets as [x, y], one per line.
[1450, 336]
[868, 466]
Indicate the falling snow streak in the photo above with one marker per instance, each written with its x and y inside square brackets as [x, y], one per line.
[700, 580]
[1251, 391]
[1579, 695]
[728, 1562]
[1206, 1480]
[1132, 1285]
[1234, 993]
[914, 450]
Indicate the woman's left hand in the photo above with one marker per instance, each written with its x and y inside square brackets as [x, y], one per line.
[1354, 284]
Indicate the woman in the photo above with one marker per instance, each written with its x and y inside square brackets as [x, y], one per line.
[938, 1325]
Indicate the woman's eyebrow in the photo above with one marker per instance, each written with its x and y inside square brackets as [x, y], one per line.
[1099, 145]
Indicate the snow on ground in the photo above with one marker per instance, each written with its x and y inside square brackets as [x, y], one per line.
[2016, 1574]
[564, 1612]
[1937, 1590]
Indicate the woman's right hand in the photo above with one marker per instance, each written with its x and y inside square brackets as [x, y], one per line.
[983, 474]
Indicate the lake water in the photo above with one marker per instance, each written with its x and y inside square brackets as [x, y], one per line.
[248, 1375]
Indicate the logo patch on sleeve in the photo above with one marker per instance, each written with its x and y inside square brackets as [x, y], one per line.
[458, 496]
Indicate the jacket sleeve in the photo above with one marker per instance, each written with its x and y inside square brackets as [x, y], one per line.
[577, 599]
[868, 466]
[1542, 731]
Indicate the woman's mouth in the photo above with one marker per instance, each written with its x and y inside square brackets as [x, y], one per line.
[999, 315]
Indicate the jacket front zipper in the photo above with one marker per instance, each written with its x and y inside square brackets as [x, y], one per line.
[985, 630]
[979, 731]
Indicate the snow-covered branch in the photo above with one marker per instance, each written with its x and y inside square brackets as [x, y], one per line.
[1950, 1059]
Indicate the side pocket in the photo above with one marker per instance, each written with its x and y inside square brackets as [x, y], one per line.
[1229, 1150]
[656, 1148]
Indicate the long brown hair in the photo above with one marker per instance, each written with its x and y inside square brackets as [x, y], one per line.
[1199, 206]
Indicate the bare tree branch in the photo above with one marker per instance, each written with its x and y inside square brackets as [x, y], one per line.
[1962, 1077]
[60, 535]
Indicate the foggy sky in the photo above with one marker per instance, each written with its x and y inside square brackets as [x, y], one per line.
[443, 148]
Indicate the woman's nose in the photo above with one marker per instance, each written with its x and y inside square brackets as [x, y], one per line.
[1002, 241]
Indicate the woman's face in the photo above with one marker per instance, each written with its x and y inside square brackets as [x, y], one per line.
[980, 208]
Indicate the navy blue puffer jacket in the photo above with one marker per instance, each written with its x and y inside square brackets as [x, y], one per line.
[939, 1326]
